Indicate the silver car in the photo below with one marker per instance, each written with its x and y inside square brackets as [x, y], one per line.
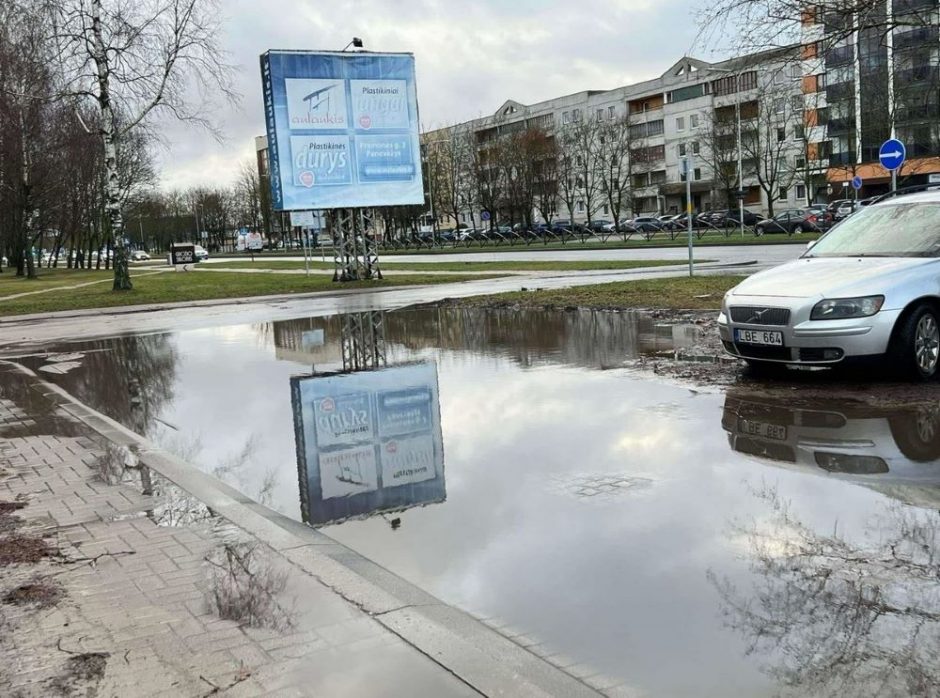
[868, 288]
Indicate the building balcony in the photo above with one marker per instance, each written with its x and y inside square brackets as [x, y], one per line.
[926, 74]
[906, 6]
[916, 38]
[841, 159]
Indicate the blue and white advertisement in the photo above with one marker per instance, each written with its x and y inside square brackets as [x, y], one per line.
[342, 129]
[368, 443]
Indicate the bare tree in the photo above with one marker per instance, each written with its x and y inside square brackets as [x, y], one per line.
[766, 139]
[584, 138]
[718, 136]
[135, 59]
[614, 166]
[756, 25]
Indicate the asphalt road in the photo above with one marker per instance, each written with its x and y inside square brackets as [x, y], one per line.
[17, 333]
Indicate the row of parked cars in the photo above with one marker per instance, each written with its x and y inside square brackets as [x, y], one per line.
[808, 219]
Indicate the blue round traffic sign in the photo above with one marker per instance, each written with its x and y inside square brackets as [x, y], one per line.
[856, 182]
[484, 215]
[892, 154]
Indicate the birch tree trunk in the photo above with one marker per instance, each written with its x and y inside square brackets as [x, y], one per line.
[122, 278]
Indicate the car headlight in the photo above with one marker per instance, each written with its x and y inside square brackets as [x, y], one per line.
[843, 308]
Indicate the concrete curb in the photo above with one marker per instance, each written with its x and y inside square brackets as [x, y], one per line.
[479, 656]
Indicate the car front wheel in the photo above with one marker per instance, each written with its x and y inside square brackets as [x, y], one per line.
[915, 347]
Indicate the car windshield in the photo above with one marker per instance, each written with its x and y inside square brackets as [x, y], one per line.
[889, 230]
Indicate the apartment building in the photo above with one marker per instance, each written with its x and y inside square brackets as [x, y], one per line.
[673, 117]
[863, 87]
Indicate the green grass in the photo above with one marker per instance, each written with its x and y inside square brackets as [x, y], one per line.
[585, 265]
[697, 293]
[171, 287]
[48, 278]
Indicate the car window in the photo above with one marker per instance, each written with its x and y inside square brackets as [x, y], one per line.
[886, 230]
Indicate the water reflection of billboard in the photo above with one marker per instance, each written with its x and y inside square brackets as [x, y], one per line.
[368, 442]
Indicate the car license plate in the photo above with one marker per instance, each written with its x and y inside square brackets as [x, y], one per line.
[775, 432]
[765, 337]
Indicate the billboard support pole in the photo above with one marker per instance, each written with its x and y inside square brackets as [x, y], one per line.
[363, 341]
[355, 252]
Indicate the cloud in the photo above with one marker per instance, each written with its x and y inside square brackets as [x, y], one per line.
[470, 58]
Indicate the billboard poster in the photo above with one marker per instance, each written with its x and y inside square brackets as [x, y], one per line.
[342, 129]
[368, 442]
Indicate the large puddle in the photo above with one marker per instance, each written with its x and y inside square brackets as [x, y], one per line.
[687, 543]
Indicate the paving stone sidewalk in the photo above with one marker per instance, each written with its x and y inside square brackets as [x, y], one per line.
[101, 595]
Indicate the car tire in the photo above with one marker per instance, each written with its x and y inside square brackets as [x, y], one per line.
[918, 435]
[915, 343]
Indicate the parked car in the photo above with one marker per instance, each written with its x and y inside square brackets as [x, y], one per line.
[646, 224]
[868, 289]
[834, 206]
[733, 218]
[599, 225]
[139, 256]
[201, 254]
[793, 220]
[822, 213]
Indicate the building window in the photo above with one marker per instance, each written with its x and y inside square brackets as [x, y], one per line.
[801, 192]
[576, 115]
[782, 194]
[600, 114]
[611, 112]
[680, 123]
[697, 174]
[580, 207]
[693, 121]
[780, 105]
[606, 209]
[565, 118]
[463, 217]
[781, 134]
[800, 163]
[799, 133]
[654, 128]
[682, 150]
[695, 149]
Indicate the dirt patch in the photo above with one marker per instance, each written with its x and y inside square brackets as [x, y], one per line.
[17, 549]
[42, 592]
[82, 674]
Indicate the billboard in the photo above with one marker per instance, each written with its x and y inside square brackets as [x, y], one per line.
[368, 442]
[342, 129]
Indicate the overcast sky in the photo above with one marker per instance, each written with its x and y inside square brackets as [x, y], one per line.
[471, 57]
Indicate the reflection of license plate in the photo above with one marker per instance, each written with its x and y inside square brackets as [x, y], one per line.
[766, 431]
[774, 339]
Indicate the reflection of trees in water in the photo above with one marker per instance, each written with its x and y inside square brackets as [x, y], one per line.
[597, 339]
[130, 379]
[842, 618]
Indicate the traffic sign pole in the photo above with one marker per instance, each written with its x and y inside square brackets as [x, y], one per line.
[892, 155]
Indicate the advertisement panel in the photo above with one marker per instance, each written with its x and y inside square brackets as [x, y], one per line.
[368, 442]
[342, 129]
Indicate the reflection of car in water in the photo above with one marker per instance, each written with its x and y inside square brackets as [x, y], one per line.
[858, 442]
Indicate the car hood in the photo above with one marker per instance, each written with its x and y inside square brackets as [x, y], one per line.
[832, 277]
